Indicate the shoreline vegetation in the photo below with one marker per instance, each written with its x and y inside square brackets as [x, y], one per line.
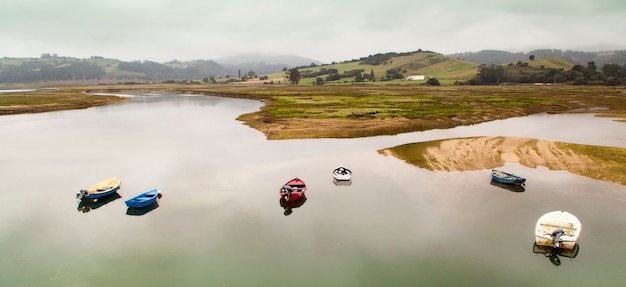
[351, 111]
[476, 153]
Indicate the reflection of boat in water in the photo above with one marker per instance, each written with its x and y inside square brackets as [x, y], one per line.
[342, 173]
[293, 189]
[342, 182]
[553, 254]
[87, 205]
[101, 189]
[510, 187]
[288, 206]
[558, 229]
[507, 178]
[142, 210]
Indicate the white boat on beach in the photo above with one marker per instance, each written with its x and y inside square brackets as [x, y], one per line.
[558, 229]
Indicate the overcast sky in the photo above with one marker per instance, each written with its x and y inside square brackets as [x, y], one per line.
[324, 30]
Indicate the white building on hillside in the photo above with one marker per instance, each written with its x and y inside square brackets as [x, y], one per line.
[415, 78]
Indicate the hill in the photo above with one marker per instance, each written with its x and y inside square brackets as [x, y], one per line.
[53, 68]
[383, 68]
[496, 57]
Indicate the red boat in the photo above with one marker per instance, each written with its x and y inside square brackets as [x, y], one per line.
[293, 189]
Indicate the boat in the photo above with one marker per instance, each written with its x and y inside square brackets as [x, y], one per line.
[558, 229]
[288, 206]
[293, 189]
[101, 189]
[508, 178]
[144, 199]
[341, 173]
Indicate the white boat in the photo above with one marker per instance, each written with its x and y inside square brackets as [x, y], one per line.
[558, 229]
[342, 173]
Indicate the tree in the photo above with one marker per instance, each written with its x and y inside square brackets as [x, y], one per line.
[294, 76]
[591, 65]
[433, 82]
[358, 77]
[612, 70]
[531, 57]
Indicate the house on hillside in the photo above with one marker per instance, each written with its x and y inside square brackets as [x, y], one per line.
[414, 77]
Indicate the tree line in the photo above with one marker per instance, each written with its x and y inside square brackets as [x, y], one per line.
[610, 74]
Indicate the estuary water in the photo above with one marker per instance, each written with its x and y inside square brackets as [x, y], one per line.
[220, 223]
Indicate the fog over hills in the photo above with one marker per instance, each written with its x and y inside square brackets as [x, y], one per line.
[263, 64]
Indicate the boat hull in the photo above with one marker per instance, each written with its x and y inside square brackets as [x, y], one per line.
[144, 199]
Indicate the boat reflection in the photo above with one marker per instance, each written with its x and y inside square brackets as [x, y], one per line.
[342, 182]
[509, 187]
[553, 254]
[288, 206]
[87, 205]
[142, 210]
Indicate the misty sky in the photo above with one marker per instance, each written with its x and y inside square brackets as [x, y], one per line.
[324, 30]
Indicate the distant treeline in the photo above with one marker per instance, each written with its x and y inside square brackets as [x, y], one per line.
[148, 70]
[51, 69]
[610, 74]
[35, 71]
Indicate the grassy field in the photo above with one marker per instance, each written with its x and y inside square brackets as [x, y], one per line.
[610, 161]
[67, 98]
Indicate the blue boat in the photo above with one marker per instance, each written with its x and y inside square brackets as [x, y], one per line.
[144, 199]
[508, 178]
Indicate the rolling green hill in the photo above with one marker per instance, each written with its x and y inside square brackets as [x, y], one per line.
[550, 63]
[429, 64]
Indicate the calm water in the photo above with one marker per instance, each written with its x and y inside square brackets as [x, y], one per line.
[220, 223]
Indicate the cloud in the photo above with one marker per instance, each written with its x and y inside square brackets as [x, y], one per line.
[161, 30]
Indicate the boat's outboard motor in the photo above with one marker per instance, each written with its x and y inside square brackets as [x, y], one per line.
[288, 190]
[556, 236]
[82, 195]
